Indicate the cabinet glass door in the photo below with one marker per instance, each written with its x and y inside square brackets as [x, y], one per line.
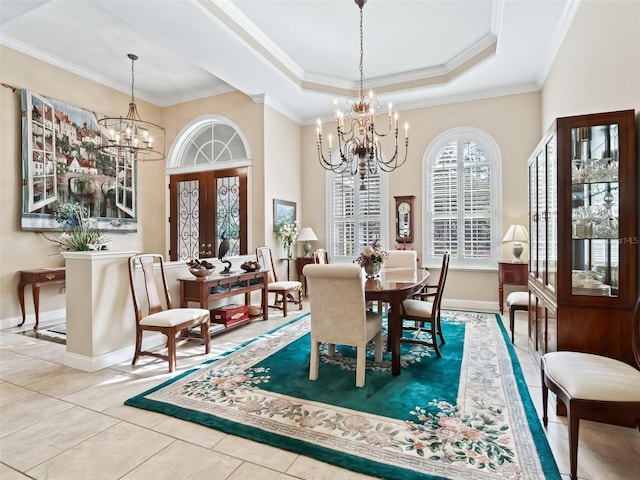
[552, 212]
[533, 220]
[595, 210]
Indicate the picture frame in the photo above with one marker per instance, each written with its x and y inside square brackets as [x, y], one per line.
[65, 175]
[283, 209]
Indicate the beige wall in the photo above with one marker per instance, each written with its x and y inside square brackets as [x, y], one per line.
[21, 250]
[282, 147]
[598, 67]
[513, 121]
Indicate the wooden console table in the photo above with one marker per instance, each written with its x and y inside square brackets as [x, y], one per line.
[511, 274]
[35, 278]
[203, 290]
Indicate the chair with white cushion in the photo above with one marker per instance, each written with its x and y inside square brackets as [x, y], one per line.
[339, 315]
[401, 259]
[423, 312]
[516, 301]
[285, 291]
[592, 387]
[160, 316]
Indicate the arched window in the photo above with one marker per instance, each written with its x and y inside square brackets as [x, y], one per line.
[208, 168]
[355, 217]
[462, 199]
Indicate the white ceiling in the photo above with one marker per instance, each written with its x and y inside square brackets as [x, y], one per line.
[296, 55]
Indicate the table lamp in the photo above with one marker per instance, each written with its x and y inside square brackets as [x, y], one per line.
[307, 235]
[516, 234]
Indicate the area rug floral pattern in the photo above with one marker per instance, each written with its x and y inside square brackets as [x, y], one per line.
[486, 434]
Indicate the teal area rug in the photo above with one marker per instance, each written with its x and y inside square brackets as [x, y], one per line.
[465, 415]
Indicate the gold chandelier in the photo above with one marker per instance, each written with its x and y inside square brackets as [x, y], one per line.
[130, 136]
[359, 142]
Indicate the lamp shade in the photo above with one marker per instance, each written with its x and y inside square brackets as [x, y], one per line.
[307, 235]
[516, 233]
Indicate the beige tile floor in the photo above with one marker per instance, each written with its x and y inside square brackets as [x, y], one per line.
[61, 423]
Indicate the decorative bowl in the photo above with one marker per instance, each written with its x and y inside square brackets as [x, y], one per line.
[250, 267]
[201, 272]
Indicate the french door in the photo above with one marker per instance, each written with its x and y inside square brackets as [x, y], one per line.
[206, 207]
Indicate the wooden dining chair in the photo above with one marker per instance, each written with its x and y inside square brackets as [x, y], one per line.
[339, 315]
[285, 292]
[423, 312]
[160, 315]
[592, 387]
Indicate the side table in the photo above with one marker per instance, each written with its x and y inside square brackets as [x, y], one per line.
[511, 274]
[300, 263]
[35, 278]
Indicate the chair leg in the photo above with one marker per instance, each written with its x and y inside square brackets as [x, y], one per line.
[545, 397]
[439, 326]
[171, 344]
[512, 315]
[378, 340]
[285, 303]
[205, 335]
[331, 349]
[574, 426]
[136, 355]
[313, 364]
[361, 363]
[434, 327]
[300, 299]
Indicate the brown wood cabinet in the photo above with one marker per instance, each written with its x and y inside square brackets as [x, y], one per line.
[583, 211]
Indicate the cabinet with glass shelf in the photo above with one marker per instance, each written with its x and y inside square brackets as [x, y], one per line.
[583, 210]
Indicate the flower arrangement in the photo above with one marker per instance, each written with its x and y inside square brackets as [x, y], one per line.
[82, 236]
[372, 255]
[287, 233]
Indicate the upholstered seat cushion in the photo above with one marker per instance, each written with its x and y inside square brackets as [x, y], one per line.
[520, 299]
[281, 286]
[169, 318]
[417, 308]
[593, 377]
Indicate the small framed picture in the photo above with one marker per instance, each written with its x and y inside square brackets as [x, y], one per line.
[283, 209]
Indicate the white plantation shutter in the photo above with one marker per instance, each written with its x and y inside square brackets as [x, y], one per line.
[357, 217]
[462, 200]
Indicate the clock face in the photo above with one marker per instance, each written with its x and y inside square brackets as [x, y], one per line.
[403, 207]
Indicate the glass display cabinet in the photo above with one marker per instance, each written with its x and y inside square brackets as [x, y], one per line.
[583, 219]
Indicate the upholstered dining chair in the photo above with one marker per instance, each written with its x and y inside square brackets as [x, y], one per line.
[285, 291]
[401, 259]
[592, 387]
[517, 301]
[160, 316]
[423, 312]
[320, 256]
[339, 315]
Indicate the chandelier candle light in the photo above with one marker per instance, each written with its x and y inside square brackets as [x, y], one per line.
[131, 136]
[359, 142]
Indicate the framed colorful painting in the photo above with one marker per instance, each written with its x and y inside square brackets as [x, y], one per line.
[65, 176]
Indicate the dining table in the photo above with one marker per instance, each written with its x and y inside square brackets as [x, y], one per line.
[393, 286]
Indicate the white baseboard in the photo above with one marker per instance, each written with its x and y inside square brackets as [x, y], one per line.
[93, 364]
[473, 305]
[11, 322]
